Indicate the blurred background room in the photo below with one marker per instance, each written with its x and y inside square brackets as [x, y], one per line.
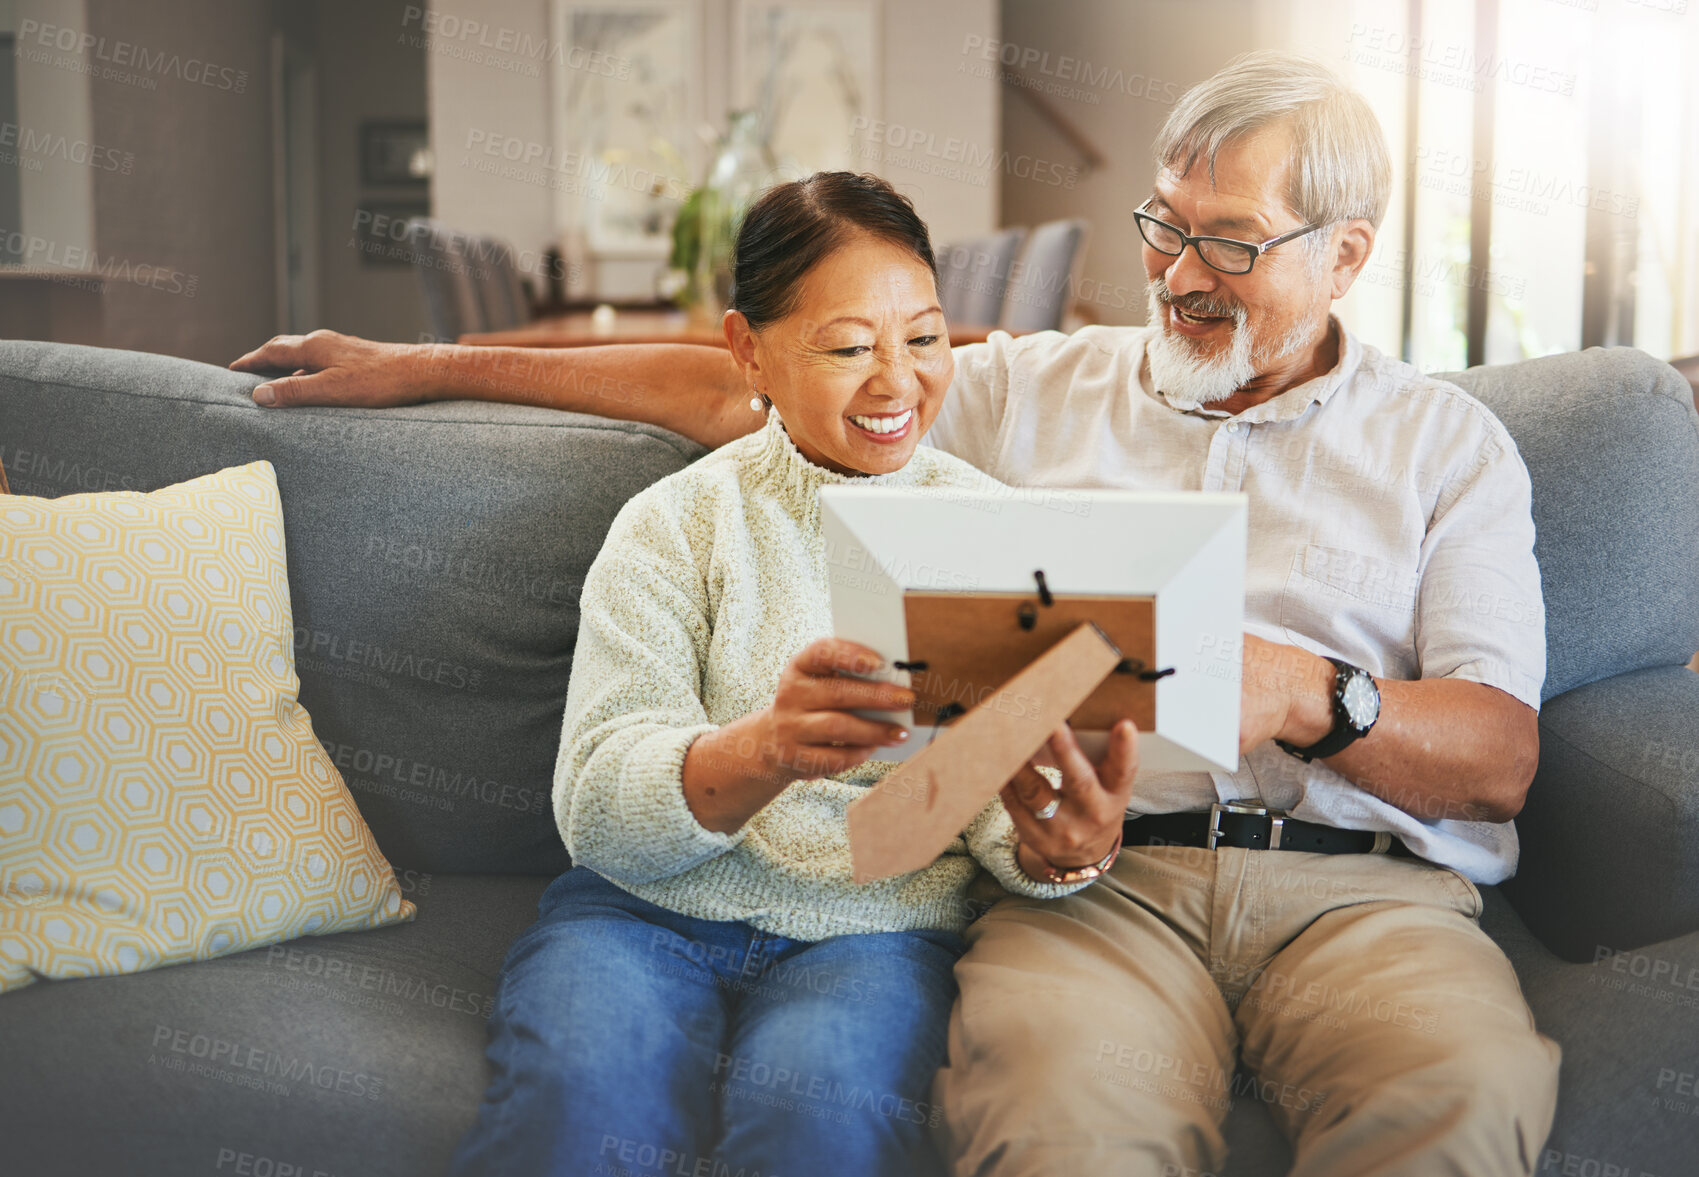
[192, 176]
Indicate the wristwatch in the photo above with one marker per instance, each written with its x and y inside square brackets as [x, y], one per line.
[1079, 874]
[1356, 706]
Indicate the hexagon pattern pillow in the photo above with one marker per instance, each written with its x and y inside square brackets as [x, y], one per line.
[162, 798]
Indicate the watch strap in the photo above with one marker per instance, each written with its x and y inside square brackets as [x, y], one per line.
[1334, 742]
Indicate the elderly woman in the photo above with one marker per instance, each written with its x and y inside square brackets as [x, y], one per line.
[708, 991]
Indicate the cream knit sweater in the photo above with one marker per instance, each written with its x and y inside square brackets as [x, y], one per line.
[710, 581]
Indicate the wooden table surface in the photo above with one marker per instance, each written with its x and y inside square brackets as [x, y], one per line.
[577, 329]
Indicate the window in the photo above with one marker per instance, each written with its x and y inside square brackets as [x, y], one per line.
[1546, 172]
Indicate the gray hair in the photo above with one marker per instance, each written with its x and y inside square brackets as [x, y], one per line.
[1341, 168]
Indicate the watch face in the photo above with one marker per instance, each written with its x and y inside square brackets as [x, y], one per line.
[1361, 699]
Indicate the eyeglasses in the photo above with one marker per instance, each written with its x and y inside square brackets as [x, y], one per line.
[1226, 254]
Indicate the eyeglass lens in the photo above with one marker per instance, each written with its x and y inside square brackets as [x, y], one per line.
[1234, 259]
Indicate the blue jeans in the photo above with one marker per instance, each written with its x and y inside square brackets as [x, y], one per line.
[630, 1041]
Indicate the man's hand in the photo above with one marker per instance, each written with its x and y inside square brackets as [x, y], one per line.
[328, 368]
[1286, 693]
[1092, 801]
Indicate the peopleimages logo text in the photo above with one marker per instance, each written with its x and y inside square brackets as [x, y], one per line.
[1066, 68]
[79, 263]
[129, 55]
[445, 27]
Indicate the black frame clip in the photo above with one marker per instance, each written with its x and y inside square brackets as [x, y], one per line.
[1135, 666]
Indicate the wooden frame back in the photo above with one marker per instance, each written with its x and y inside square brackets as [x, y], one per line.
[972, 643]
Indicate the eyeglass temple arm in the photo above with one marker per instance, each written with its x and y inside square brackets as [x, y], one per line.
[1285, 237]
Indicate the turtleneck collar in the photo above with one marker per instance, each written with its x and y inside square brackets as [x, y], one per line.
[776, 463]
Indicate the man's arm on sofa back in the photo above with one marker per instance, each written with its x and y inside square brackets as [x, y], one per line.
[692, 390]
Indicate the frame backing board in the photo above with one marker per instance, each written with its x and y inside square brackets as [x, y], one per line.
[887, 547]
[973, 643]
[906, 820]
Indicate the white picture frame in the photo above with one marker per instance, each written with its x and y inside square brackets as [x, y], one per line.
[1185, 549]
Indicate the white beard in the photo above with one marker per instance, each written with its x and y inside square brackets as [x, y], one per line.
[1188, 380]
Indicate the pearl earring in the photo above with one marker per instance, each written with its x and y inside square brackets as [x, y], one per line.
[754, 400]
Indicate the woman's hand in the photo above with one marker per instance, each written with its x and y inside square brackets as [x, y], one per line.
[807, 731]
[333, 369]
[1090, 805]
[810, 731]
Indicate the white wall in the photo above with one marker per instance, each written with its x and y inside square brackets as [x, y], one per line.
[921, 89]
[467, 96]
[925, 91]
[56, 203]
[1115, 71]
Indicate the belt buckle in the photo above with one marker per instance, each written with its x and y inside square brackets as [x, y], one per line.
[1276, 820]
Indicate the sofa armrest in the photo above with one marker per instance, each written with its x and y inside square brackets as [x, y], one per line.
[1610, 831]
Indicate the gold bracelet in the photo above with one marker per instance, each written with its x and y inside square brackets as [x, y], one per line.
[1080, 874]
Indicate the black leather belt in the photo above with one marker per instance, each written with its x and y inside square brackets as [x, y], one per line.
[1250, 826]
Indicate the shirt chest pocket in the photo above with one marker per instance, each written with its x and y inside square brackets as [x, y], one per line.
[1342, 599]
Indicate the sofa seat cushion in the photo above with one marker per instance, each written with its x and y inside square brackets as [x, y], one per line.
[405, 1006]
[1630, 1036]
[357, 1053]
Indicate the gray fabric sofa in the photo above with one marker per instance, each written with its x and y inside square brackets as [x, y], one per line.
[435, 556]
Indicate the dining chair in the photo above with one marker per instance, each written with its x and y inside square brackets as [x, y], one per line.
[451, 301]
[972, 276]
[1041, 282]
[494, 271]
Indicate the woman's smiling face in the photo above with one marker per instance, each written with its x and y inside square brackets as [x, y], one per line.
[859, 368]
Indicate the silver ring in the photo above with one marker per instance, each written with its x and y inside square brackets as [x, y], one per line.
[1049, 811]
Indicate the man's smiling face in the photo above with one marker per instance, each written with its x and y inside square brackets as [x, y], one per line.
[1225, 333]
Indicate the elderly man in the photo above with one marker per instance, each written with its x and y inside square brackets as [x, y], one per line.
[1312, 914]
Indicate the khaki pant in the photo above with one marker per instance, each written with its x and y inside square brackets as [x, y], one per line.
[1385, 1031]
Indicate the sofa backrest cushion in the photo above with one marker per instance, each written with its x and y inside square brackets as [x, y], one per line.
[1611, 441]
[435, 559]
[436, 553]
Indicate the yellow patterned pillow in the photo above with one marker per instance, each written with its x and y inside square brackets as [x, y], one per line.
[162, 797]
